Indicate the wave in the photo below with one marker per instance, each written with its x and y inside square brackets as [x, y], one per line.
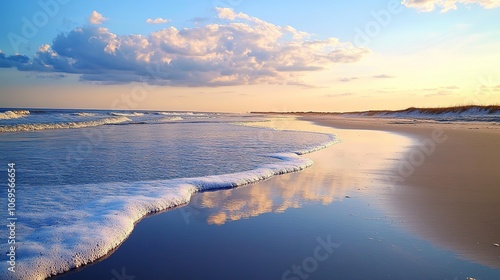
[98, 227]
[43, 126]
[311, 149]
[134, 114]
[14, 114]
[169, 119]
[84, 114]
[181, 114]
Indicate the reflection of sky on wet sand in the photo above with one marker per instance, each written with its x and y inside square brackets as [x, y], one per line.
[339, 171]
[276, 195]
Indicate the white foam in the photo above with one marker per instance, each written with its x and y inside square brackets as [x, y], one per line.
[84, 114]
[13, 114]
[168, 119]
[181, 114]
[72, 236]
[42, 126]
[311, 149]
[134, 114]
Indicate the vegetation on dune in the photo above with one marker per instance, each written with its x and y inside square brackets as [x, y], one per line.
[489, 109]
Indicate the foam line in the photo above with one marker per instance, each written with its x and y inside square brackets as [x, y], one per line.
[8, 115]
[42, 126]
[94, 229]
[134, 114]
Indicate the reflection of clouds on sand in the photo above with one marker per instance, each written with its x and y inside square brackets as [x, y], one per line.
[232, 206]
[282, 193]
[254, 203]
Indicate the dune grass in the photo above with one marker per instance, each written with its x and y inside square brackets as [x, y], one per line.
[489, 109]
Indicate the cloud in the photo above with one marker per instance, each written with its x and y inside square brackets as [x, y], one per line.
[157, 21]
[446, 5]
[443, 88]
[238, 50]
[489, 88]
[348, 79]
[96, 18]
[383, 76]
[50, 76]
[12, 60]
[439, 93]
[199, 20]
[339, 94]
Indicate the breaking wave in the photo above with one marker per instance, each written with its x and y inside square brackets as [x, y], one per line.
[13, 114]
[42, 126]
[134, 114]
[84, 114]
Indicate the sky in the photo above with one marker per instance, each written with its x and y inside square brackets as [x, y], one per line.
[241, 55]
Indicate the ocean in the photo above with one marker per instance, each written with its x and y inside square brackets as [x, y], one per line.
[83, 178]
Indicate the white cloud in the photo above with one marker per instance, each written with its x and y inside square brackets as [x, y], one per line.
[157, 21]
[228, 13]
[238, 50]
[96, 18]
[446, 5]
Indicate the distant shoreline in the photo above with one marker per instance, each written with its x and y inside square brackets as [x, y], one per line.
[488, 109]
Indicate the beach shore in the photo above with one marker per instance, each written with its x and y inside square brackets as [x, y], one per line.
[447, 188]
[381, 227]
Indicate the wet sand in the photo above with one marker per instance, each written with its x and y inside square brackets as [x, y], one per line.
[449, 194]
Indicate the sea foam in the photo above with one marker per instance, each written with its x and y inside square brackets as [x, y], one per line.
[84, 114]
[72, 237]
[42, 126]
[13, 114]
[168, 119]
[134, 114]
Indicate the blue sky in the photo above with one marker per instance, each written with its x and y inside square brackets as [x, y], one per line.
[365, 52]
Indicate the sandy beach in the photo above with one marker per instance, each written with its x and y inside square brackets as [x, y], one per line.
[452, 194]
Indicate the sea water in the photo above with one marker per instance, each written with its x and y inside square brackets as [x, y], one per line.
[84, 177]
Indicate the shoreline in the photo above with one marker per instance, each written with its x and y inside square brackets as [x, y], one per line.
[290, 162]
[326, 183]
[452, 194]
[218, 208]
